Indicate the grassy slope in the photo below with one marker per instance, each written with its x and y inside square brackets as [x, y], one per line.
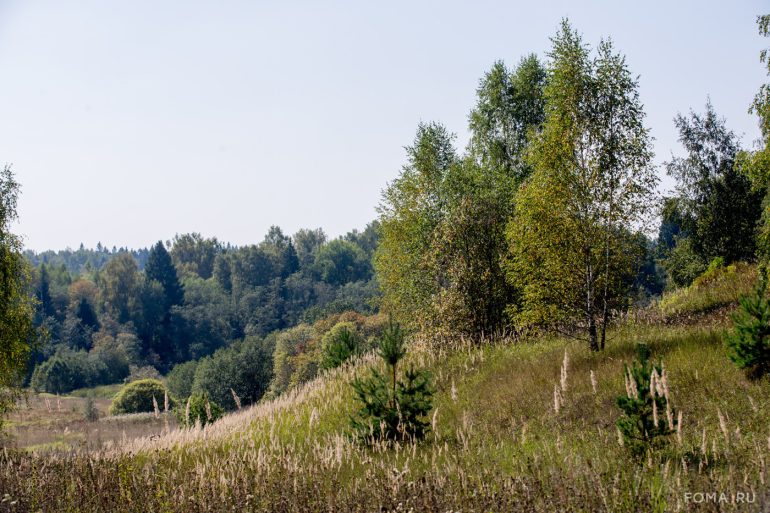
[498, 444]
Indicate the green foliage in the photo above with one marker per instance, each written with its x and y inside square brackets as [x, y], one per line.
[393, 409]
[718, 207]
[749, 343]
[17, 332]
[340, 262]
[339, 344]
[573, 243]
[227, 294]
[194, 255]
[244, 367]
[68, 370]
[756, 164]
[289, 345]
[682, 264]
[385, 416]
[199, 410]
[119, 286]
[161, 268]
[137, 397]
[648, 418]
[393, 344]
[180, 379]
[443, 219]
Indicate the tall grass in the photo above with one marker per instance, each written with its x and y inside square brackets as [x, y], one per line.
[497, 445]
[516, 427]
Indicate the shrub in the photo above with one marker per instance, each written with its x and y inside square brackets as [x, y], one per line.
[339, 344]
[145, 372]
[137, 397]
[648, 416]
[199, 410]
[683, 264]
[288, 345]
[749, 343]
[244, 367]
[393, 409]
[90, 413]
[712, 272]
[67, 370]
[180, 380]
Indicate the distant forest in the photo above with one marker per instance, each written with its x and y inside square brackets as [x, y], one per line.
[109, 315]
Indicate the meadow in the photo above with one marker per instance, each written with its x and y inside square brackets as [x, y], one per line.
[518, 425]
[46, 422]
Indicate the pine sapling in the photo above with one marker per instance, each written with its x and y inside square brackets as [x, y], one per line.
[648, 419]
[749, 343]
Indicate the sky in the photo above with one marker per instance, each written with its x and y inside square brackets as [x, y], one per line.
[130, 122]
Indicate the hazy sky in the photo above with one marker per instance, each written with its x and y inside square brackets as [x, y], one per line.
[128, 122]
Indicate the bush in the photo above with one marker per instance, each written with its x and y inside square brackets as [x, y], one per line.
[90, 413]
[648, 417]
[145, 372]
[67, 370]
[711, 273]
[339, 344]
[199, 410]
[683, 264]
[393, 409]
[244, 367]
[180, 380]
[137, 397]
[289, 345]
[749, 344]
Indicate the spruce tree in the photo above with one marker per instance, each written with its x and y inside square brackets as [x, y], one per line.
[749, 343]
[161, 268]
[290, 264]
[45, 303]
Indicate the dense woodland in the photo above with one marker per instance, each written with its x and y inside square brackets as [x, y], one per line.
[105, 319]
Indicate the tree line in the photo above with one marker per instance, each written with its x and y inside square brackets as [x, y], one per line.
[545, 219]
[192, 297]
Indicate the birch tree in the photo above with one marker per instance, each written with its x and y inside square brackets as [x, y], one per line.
[572, 235]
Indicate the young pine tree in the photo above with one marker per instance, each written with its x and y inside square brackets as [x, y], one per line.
[749, 343]
[648, 418]
[393, 409]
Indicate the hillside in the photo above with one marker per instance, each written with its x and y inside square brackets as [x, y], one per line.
[497, 442]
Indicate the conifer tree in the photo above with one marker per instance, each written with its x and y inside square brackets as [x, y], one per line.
[649, 417]
[749, 343]
[161, 269]
[393, 409]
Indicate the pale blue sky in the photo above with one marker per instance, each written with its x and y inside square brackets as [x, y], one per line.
[128, 122]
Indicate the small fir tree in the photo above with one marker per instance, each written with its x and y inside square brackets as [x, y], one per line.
[393, 409]
[648, 418]
[749, 343]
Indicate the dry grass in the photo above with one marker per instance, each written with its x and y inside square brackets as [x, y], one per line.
[45, 422]
[710, 292]
[497, 443]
